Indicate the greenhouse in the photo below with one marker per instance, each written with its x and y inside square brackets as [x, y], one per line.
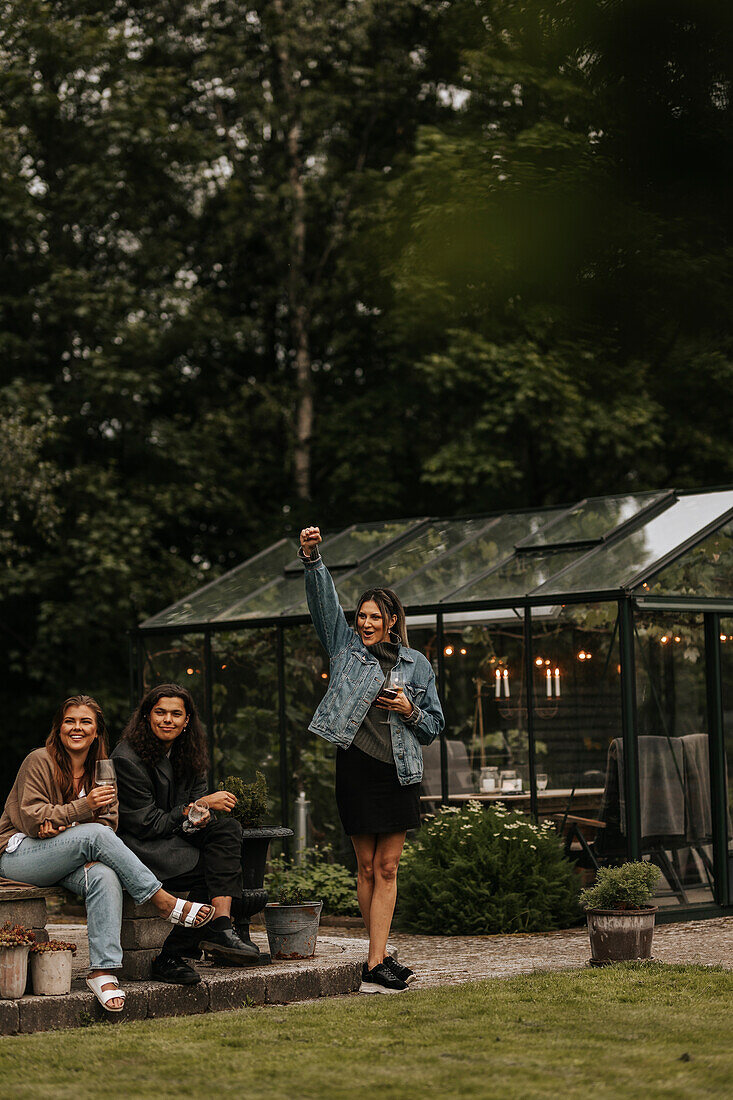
[584, 658]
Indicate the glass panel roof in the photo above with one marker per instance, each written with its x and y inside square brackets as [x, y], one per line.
[490, 546]
[441, 562]
[706, 570]
[393, 567]
[215, 598]
[612, 567]
[519, 575]
[356, 543]
[591, 520]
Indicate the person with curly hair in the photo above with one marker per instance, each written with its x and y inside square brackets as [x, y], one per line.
[161, 764]
[58, 826]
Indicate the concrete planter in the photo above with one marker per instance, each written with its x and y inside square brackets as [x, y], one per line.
[51, 973]
[292, 930]
[13, 972]
[620, 935]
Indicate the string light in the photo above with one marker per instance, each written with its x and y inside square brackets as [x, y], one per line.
[463, 652]
[223, 667]
[724, 637]
[538, 661]
[664, 639]
[582, 655]
[448, 651]
[324, 675]
[189, 671]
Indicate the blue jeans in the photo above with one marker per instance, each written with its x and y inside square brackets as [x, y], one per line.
[61, 860]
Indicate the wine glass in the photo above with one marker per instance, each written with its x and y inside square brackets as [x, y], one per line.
[198, 811]
[397, 679]
[541, 781]
[105, 774]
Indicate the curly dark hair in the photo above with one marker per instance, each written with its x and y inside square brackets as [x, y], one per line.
[189, 754]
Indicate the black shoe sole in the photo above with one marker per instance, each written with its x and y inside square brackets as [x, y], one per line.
[231, 954]
[176, 981]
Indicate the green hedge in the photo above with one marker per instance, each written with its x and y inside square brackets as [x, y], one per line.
[484, 870]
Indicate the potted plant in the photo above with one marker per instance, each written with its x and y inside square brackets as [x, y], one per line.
[51, 967]
[15, 942]
[250, 811]
[620, 918]
[292, 925]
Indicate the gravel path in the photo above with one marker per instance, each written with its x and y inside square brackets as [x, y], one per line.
[451, 960]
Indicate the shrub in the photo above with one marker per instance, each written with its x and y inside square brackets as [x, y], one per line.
[293, 895]
[485, 870]
[629, 886]
[251, 808]
[318, 879]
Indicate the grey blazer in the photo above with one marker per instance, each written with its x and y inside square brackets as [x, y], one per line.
[151, 812]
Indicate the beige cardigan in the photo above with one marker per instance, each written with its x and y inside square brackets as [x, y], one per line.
[36, 797]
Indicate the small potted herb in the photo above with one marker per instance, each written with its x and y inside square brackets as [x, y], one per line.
[15, 942]
[51, 967]
[250, 811]
[292, 924]
[620, 917]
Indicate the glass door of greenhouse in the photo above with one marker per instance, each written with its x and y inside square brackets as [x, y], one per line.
[674, 745]
[726, 663]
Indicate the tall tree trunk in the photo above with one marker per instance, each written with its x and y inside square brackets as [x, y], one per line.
[299, 311]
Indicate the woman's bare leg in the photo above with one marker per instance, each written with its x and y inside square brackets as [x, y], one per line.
[365, 847]
[384, 895]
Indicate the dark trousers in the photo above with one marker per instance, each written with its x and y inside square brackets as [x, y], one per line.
[218, 873]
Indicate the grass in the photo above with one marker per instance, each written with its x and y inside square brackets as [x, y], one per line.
[631, 1031]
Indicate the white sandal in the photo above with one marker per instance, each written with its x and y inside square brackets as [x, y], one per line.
[104, 996]
[189, 921]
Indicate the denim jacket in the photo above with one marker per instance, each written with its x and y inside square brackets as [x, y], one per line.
[356, 680]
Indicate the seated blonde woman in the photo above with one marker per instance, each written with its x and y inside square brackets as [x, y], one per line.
[58, 828]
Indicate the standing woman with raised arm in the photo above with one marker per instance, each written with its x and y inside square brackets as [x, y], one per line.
[378, 730]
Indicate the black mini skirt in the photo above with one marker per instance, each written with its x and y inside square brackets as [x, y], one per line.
[370, 797]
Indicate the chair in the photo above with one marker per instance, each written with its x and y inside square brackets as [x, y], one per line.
[460, 776]
[674, 811]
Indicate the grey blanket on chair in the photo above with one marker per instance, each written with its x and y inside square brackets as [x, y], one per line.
[661, 771]
[697, 779]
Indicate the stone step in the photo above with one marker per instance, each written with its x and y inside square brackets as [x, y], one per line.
[335, 970]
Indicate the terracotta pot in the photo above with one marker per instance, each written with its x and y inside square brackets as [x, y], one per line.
[13, 972]
[51, 973]
[620, 935]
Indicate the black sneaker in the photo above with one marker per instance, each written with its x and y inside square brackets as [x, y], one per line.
[380, 979]
[172, 968]
[402, 972]
[224, 943]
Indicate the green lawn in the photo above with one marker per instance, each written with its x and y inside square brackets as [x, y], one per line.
[632, 1031]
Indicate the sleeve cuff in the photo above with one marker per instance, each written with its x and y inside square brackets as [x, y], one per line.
[415, 716]
[309, 559]
[81, 810]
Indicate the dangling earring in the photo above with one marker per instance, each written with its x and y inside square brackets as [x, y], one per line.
[394, 635]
